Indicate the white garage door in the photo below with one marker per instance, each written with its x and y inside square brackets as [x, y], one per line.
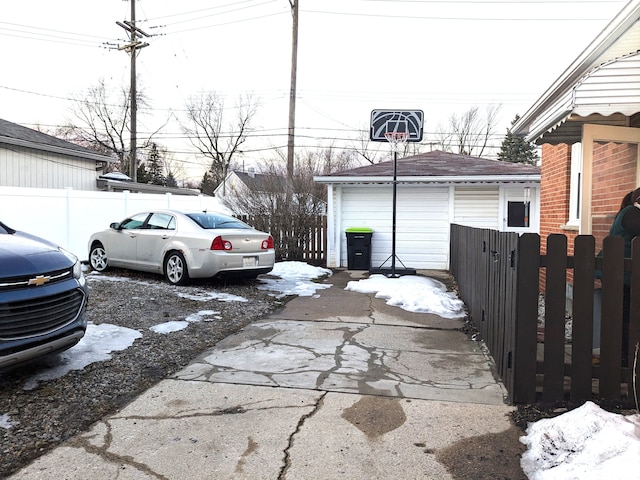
[422, 224]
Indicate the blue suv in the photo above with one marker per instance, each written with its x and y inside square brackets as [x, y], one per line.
[43, 298]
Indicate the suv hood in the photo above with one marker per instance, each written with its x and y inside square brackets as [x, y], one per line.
[24, 254]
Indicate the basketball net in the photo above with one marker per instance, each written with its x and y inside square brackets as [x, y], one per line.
[397, 140]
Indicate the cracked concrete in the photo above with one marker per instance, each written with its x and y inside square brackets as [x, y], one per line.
[339, 385]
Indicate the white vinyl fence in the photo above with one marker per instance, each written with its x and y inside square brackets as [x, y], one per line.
[68, 217]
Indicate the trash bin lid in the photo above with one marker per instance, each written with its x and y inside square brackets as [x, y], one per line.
[359, 230]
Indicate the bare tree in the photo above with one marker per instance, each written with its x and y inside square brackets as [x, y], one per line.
[470, 133]
[102, 121]
[374, 152]
[292, 218]
[204, 126]
[365, 148]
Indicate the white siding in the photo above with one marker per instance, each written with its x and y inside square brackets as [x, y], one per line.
[612, 88]
[423, 216]
[422, 223]
[22, 167]
[477, 207]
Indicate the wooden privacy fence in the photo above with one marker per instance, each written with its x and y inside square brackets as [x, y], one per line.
[498, 274]
[295, 239]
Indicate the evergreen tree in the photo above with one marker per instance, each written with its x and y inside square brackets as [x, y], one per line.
[171, 180]
[142, 174]
[209, 183]
[516, 149]
[155, 166]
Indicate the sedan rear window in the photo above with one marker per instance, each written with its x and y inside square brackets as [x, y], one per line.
[212, 220]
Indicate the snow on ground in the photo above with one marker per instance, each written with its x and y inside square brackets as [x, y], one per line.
[585, 443]
[412, 293]
[5, 422]
[96, 346]
[294, 278]
[175, 325]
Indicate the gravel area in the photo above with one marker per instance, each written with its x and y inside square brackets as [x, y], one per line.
[55, 410]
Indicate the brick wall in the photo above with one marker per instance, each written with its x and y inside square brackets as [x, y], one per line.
[614, 175]
[614, 167]
[555, 182]
[555, 189]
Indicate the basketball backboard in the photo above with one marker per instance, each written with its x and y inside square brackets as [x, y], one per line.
[396, 121]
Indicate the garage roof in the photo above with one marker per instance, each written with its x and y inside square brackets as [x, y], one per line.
[438, 167]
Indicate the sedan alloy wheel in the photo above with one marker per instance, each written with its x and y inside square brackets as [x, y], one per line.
[98, 258]
[175, 269]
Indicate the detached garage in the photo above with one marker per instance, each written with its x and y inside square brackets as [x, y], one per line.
[433, 190]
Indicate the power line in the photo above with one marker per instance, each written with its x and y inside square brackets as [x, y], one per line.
[456, 18]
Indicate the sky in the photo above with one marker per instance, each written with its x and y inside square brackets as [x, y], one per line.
[440, 56]
[585, 443]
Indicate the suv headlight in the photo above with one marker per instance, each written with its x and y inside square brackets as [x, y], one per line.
[77, 266]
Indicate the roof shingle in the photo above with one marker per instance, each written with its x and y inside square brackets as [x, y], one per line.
[438, 163]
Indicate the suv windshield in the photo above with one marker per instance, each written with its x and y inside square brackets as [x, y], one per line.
[6, 230]
[214, 220]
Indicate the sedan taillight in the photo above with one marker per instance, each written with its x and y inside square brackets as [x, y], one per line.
[221, 244]
[268, 243]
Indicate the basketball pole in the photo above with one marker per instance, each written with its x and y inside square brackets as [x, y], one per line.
[393, 223]
[396, 127]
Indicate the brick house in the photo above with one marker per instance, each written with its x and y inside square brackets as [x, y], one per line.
[588, 124]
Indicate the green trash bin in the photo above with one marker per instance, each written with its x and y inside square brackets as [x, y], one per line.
[359, 248]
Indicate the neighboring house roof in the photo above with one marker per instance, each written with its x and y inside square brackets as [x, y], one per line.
[254, 182]
[261, 182]
[438, 167]
[601, 86]
[14, 134]
[110, 185]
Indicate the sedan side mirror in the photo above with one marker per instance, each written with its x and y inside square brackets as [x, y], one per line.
[115, 226]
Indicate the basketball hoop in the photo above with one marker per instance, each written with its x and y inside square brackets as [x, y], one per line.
[396, 139]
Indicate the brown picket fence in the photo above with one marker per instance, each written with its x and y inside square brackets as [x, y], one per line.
[293, 241]
[498, 275]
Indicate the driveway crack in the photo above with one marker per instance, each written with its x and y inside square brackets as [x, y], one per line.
[287, 458]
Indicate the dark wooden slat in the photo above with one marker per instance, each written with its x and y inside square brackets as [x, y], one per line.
[634, 318]
[554, 329]
[611, 321]
[524, 353]
[582, 321]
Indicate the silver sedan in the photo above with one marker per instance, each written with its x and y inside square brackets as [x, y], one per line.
[183, 245]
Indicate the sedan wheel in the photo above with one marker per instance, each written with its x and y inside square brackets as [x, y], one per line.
[98, 258]
[175, 269]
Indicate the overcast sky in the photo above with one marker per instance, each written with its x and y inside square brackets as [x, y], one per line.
[442, 57]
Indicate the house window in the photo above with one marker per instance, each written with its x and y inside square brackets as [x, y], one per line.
[518, 214]
[576, 185]
[517, 209]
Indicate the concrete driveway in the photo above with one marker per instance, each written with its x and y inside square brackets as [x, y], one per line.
[338, 385]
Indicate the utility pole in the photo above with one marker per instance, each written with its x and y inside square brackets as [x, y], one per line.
[131, 48]
[292, 96]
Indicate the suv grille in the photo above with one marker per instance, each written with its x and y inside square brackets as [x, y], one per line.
[30, 281]
[39, 316]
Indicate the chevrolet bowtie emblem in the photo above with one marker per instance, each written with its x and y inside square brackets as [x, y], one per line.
[39, 280]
